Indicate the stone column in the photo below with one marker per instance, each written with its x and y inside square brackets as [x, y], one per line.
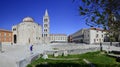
[55, 54]
[45, 56]
[65, 53]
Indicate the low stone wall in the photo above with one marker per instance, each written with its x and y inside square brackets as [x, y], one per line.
[80, 51]
[74, 51]
[6, 43]
[108, 43]
[24, 62]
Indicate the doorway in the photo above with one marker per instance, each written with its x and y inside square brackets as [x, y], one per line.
[15, 39]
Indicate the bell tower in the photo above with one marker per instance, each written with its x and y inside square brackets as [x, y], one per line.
[46, 27]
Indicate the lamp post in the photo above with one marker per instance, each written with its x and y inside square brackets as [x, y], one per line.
[110, 42]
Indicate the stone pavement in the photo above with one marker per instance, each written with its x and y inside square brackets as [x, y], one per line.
[13, 55]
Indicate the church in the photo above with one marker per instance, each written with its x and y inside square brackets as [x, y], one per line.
[30, 32]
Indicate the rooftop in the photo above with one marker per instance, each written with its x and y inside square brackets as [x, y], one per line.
[58, 35]
[3, 30]
[28, 19]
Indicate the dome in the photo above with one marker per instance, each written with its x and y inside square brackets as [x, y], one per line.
[28, 19]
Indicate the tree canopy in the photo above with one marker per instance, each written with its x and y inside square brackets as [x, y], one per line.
[101, 13]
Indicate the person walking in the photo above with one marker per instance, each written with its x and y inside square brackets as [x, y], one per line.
[31, 49]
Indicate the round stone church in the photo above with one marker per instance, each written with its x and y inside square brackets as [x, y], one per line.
[27, 32]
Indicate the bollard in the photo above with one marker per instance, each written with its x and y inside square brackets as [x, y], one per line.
[100, 46]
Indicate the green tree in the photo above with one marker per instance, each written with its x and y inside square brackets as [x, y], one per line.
[101, 13]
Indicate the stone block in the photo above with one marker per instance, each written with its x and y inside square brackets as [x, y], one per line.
[65, 53]
[45, 56]
[55, 54]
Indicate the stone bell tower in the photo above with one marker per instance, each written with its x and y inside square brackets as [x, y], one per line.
[46, 27]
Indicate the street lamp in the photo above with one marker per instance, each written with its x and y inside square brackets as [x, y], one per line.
[110, 42]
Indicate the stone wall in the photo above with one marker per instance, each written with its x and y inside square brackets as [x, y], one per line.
[74, 51]
[24, 62]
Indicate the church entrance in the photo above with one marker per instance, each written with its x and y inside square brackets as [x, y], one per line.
[15, 39]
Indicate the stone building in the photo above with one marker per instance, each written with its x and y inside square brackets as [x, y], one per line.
[94, 35]
[27, 32]
[59, 38]
[30, 32]
[78, 36]
[69, 39]
[91, 35]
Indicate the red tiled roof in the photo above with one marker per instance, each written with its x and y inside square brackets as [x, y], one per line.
[92, 28]
[5, 30]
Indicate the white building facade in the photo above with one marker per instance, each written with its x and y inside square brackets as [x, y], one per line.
[94, 35]
[91, 35]
[27, 32]
[78, 36]
[58, 38]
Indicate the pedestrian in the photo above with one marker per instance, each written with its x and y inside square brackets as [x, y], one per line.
[31, 49]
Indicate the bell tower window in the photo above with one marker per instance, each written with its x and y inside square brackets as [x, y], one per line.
[45, 25]
[46, 20]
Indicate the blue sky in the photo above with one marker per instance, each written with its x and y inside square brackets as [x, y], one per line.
[64, 14]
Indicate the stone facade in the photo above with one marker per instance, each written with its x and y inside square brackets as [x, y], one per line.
[78, 36]
[46, 28]
[94, 35]
[91, 35]
[27, 32]
[58, 38]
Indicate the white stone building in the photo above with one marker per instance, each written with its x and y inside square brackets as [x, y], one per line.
[91, 35]
[94, 35]
[30, 32]
[27, 32]
[58, 38]
[78, 36]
